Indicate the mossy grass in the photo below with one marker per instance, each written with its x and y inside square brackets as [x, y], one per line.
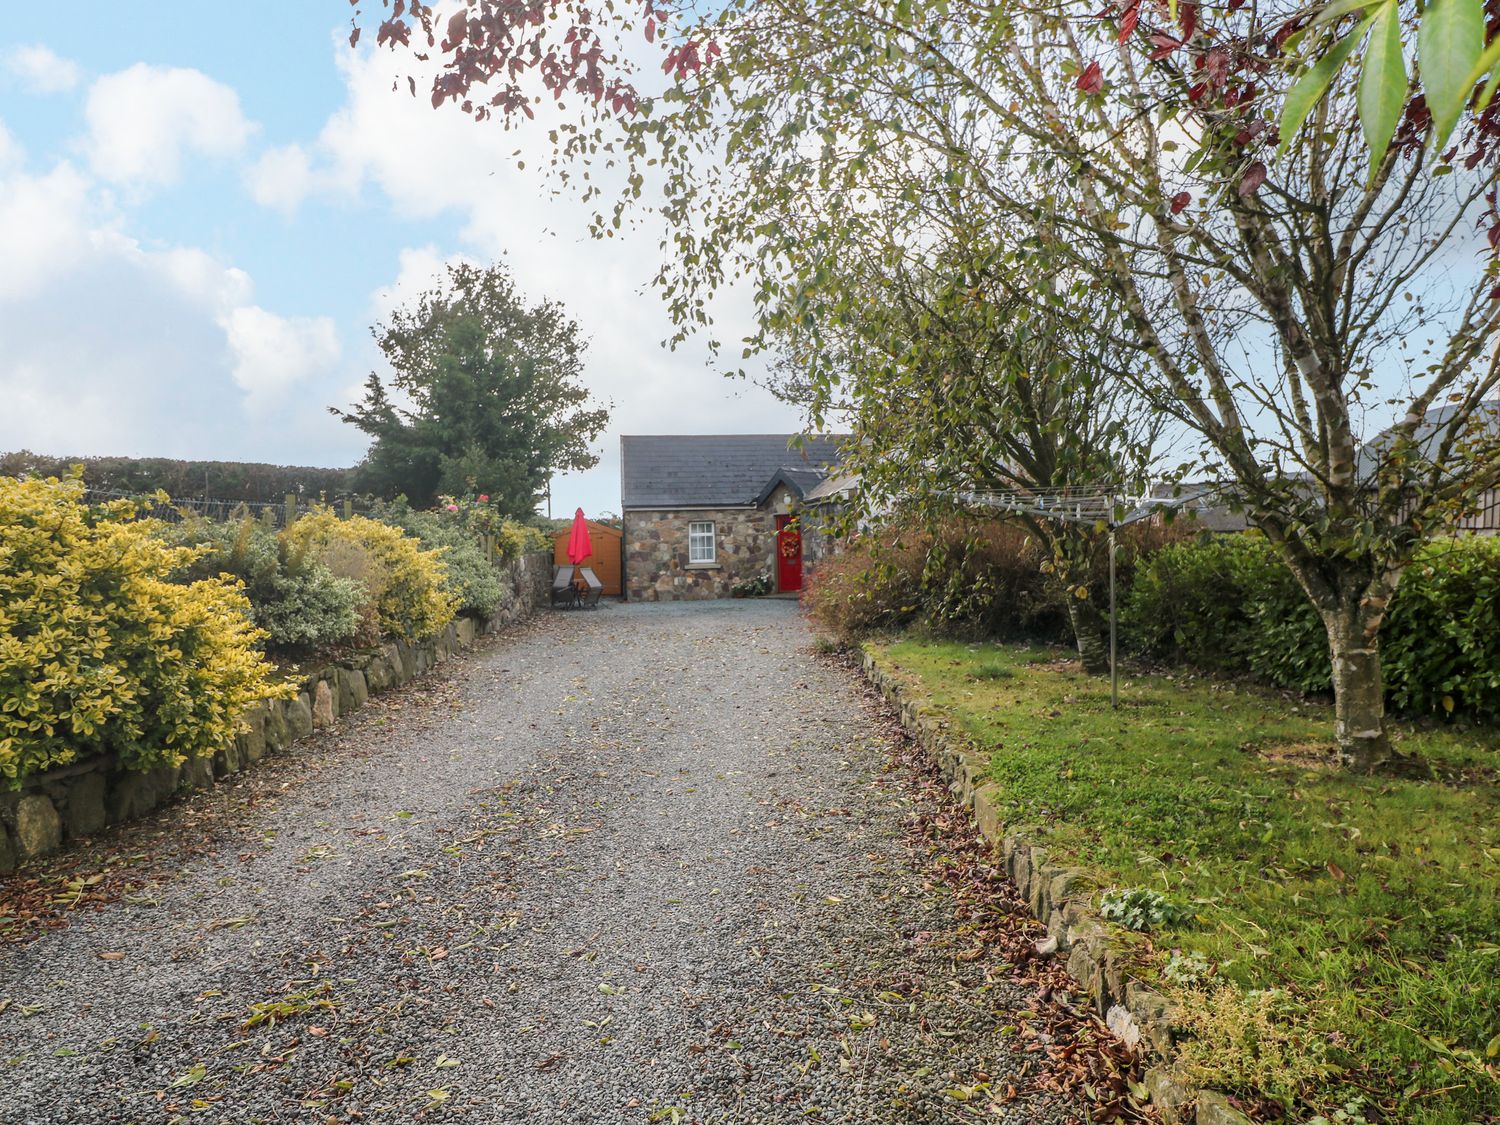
[1372, 901]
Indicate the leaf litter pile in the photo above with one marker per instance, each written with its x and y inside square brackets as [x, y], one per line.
[1074, 1052]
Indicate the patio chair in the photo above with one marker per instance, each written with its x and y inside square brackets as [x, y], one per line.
[563, 592]
[595, 587]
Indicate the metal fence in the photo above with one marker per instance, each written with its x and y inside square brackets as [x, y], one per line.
[278, 515]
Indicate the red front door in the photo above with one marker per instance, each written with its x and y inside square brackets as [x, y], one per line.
[788, 554]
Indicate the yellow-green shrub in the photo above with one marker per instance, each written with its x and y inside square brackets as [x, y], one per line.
[99, 651]
[408, 595]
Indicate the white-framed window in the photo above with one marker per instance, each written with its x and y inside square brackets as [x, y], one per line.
[701, 545]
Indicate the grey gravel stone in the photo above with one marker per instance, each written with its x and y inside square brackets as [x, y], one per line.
[648, 864]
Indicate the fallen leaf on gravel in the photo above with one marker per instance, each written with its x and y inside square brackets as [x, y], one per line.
[550, 1061]
[112, 955]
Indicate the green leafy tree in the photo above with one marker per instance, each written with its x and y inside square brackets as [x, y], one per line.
[485, 396]
[1278, 282]
[952, 384]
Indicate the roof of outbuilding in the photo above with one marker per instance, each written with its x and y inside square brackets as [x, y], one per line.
[718, 470]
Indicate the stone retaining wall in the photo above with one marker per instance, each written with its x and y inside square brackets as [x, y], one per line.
[79, 799]
[1063, 900]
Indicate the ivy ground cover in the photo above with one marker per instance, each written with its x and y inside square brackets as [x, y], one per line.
[1339, 946]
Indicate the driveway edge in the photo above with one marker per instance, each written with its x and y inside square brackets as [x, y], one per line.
[1062, 900]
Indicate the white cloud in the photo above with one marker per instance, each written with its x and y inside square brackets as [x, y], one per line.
[428, 164]
[11, 153]
[281, 179]
[143, 120]
[114, 347]
[40, 70]
[272, 354]
[43, 228]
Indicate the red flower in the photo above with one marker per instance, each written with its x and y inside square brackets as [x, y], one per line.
[484, 498]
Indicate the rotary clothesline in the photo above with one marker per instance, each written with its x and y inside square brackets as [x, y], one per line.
[1111, 507]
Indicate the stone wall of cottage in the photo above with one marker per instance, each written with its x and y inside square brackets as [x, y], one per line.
[656, 553]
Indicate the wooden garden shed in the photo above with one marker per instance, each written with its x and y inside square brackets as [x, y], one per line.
[605, 561]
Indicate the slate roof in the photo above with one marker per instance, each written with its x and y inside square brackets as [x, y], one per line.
[718, 470]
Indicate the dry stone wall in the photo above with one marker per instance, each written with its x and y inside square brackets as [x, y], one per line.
[84, 797]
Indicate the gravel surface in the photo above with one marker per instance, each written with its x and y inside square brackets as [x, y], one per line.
[645, 864]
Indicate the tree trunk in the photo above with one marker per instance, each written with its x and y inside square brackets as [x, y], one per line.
[1088, 632]
[1358, 689]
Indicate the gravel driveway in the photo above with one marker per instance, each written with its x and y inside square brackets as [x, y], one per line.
[646, 864]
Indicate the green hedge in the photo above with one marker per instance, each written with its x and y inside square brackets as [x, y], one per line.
[186, 480]
[1228, 604]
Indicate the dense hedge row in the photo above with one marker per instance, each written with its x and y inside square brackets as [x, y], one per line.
[147, 639]
[218, 480]
[1222, 603]
[967, 578]
[1229, 604]
[101, 650]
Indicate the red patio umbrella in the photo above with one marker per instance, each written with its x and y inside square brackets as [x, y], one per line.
[579, 546]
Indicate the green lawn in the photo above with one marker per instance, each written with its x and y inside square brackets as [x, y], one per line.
[1371, 905]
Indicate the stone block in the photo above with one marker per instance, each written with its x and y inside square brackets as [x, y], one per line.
[987, 812]
[354, 692]
[37, 827]
[1214, 1109]
[277, 734]
[1172, 1097]
[83, 814]
[464, 631]
[226, 759]
[408, 654]
[324, 706]
[384, 670]
[297, 716]
[8, 857]
[252, 740]
[198, 773]
[1120, 1021]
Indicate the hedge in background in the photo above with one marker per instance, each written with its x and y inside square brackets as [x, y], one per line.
[300, 603]
[1228, 604]
[184, 480]
[100, 650]
[406, 587]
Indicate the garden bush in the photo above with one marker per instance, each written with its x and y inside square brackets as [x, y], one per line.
[405, 586]
[970, 578]
[1228, 604]
[100, 650]
[480, 516]
[472, 579]
[299, 602]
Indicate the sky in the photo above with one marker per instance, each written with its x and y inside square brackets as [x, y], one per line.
[203, 213]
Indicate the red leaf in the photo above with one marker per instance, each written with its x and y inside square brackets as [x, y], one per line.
[1129, 20]
[354, 37]
[1187, 15]
[1180, 201]
[1163, 45]
[1091, 81]
[1254, 176]
[1335, 870]
[458, 30]
[650, 31]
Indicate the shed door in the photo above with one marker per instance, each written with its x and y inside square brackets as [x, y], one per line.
[788, 554]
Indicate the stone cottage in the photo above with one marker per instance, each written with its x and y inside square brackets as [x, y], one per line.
[703, 512]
